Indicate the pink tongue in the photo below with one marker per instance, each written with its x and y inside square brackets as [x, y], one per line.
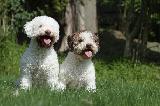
[47, 41]
[88, 54]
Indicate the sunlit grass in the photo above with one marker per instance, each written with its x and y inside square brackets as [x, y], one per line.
[119, 83]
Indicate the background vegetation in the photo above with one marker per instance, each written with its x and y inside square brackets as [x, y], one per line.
[120, 81]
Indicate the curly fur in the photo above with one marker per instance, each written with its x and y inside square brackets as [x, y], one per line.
[76, 71]
[38, 26]
[40, 65]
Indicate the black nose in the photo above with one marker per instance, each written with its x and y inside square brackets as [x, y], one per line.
[48, 32]
[88, 45]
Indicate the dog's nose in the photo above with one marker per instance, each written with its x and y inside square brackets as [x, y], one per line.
[48, 32]
[88, 45]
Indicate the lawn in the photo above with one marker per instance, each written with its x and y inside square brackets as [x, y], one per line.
[119, 83]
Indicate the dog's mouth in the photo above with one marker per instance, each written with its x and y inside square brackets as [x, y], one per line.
[87, 54]
[45, 41]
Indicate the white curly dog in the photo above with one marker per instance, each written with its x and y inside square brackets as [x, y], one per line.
[78, 70]
[39, 64]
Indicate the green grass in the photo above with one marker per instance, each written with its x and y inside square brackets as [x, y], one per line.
[119, 83]
[10, 54]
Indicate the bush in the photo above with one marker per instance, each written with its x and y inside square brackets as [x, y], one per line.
[10, 53]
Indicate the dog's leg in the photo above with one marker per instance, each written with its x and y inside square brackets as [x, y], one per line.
[62, 79]
[25, 79]
[90, 81]
[91, 85]
[61, 86]
[55, 84]
[53, 81]
[62, 83]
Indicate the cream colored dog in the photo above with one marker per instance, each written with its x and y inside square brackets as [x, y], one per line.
[39, 63]
[78, 70]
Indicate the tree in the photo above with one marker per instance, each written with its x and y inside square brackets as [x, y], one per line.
[136, 21]
[79, 15]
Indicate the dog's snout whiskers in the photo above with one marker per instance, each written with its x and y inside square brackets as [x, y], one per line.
[88, 45]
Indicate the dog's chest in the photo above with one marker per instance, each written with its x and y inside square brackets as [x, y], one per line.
[76, 80]
[38, 76]
[42, 60]
[41, 65]
[76, 75]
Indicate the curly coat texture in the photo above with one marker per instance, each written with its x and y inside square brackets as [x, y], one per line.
[38, 65]
[76, 71]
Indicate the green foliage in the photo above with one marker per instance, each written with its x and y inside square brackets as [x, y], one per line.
[155, 18]
[9, 55]
[127, 4]
[17, 14]
[148, 9]
[59, 5]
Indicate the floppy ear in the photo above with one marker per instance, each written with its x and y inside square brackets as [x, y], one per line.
[28, 28]
[95, 33]
[56, 37]
[70, 42]
[96, 38]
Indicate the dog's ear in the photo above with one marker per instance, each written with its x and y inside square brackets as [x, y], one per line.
[70, 42]
[28, 28]
[96, 34]
[96, 38]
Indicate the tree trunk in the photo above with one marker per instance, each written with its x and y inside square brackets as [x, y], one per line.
[126, 21]
[69, 23]
[128, 18]
[144, 29]
[128, 46]
[79, 15]
[140, 29]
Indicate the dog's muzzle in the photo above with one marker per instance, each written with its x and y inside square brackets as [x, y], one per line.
[45, 41]
[88, 52]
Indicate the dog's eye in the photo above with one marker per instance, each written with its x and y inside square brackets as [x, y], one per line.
[80, 40]
[40, 26]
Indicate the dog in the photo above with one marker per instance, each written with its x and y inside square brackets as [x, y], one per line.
[39, 63]
[78, 70]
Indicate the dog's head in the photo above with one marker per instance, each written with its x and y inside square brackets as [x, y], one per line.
[44, 29]
[84, 44]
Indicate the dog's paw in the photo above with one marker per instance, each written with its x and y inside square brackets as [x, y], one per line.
[58, 87]
[91, 88]
[61, 86]
[16, 92]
